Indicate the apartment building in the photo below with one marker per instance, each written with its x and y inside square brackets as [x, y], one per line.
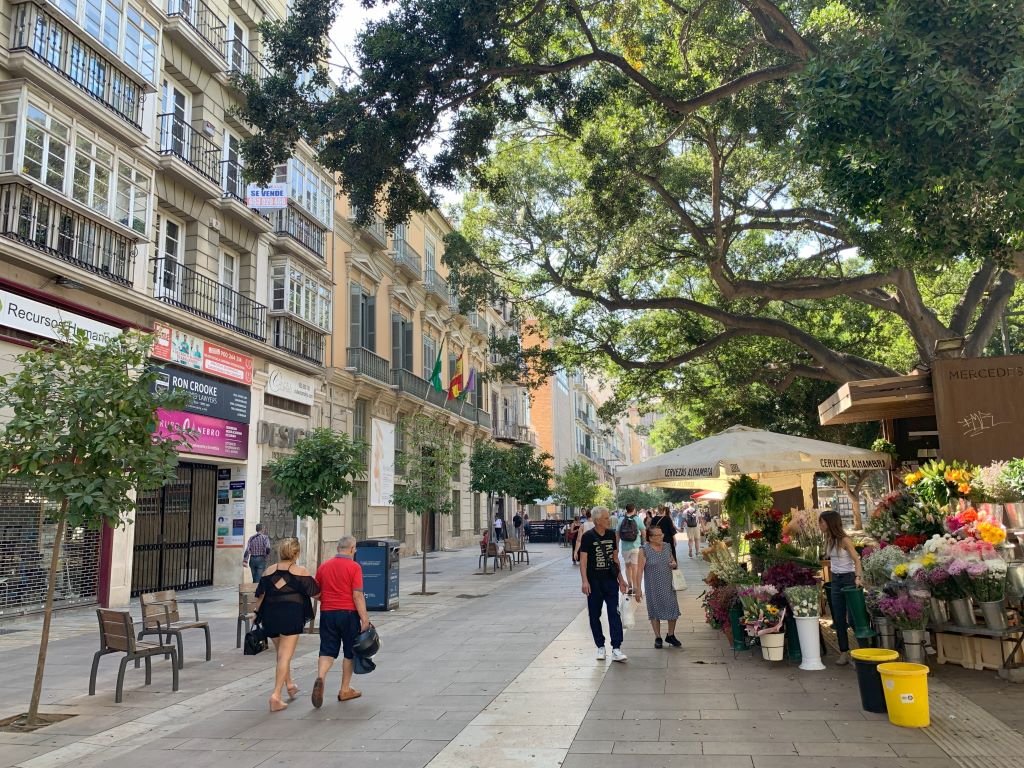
[123, 205]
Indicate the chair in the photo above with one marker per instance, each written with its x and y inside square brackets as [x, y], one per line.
[246, 611]
[160, 616]
[117, 635]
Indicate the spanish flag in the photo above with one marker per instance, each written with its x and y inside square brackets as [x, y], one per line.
[456, 387]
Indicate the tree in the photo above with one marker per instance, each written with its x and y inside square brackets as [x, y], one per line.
[641, 498]
[605, 496]
[318, 474]
[530, 474]
[81, 434]
[432, 455]
[576, 486]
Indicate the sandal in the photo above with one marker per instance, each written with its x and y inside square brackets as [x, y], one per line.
[293, 691]
[350, 694]
[276, 705]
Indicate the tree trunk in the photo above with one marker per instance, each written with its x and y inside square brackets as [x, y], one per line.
[319, 543]
[44, 641]
[423, 536]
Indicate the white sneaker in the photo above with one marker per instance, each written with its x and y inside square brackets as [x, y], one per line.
[602, 654]
[618, 655]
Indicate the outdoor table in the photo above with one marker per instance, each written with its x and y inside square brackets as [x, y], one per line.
[983, 631]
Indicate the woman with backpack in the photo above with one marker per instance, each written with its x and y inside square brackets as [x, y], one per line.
[631, 538]
[692, 530]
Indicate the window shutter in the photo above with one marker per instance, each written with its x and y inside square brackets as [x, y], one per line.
[396, 341]
[355, 313]
[407, 347]
[371, 323]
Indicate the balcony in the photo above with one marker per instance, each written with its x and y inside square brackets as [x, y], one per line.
[462, 408]
[296, 227]
[406, 258]
[585, 418]
[515, 433]
[38, 34]
[411, 384]
[415, 386]
[242, 62]
[367, 363]
[437, 285]
[374, 232]
[199, 29]
[483, 418]
[233, 186]
[180, 140]
[297, 339]
[183, 287]
[31, 219]
[453, 302]
[478, 323]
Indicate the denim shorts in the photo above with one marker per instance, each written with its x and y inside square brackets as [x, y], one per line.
[338, 629]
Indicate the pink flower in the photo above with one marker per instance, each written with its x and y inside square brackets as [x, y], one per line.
[976, 568]
[957, 566]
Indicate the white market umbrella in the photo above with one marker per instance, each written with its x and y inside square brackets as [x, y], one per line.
[708, 496]
[772, 457]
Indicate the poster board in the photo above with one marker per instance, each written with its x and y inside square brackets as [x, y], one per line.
[382, 462]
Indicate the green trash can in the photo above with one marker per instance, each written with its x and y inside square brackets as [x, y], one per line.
[866, 661]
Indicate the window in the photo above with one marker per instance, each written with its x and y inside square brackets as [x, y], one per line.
[121, 28]
[399, 447]
[46, 148]
[401, 343]
[292, 290]
[429, 252]
[456, 513]
[170, 251]
[131, 203]
[103, 21]
[141, 42]
[227, 306]
[8, 133]
[308, 189]
[429, 356]
[94, 167]
[362, 318]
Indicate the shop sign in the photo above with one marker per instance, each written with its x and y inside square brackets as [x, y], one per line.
[269, 196]
[230, 507]
[181, 348]
[290, 386]
[39, 319]
[210, 397]
[211, 437]
[278, 435]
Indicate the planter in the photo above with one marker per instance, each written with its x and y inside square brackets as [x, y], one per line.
[994, 614]
[886, 633]
[858, 612]
[773, 646]
[739, 632]
[961, 611]
[808, 631]
[913, 645]
[1013, 516]
[1015, 579]
[939, 610]
[793, 652]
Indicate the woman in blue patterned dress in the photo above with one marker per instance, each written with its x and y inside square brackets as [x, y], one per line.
[656, 564]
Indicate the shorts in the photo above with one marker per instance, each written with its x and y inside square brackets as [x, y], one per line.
[631, 556]
[338, 629]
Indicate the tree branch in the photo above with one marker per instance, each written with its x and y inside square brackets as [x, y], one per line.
[998, 297]
[800, 371]
[972, 297]
[672, 362]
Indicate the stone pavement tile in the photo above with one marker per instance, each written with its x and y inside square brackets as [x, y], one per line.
[800, 701]
[614, 684]
[427, 730]
[844, 749]
[505, 737]
[739, 714]
[620, 730]
[589, 671]
[307, 743]
[850, 762]
[878, 732]
[498, 758]
[606, 714]
[811, 714]
[13, 754]
[361, 709]
[673, 701]
[41, 739]
[349, 760]
[89, 725]
[346, 744]
[656, 748]
[450, 703]
[423, 747]
[473, 689]
[658, 714]
[555, 685]
[483, 675]
[923, 749]
[747, 748]
[218, 726]
[591, 747]
[215, 745]
[157, 757]
[656, 761]
[301, 729]
[724, 730]
[680, 685]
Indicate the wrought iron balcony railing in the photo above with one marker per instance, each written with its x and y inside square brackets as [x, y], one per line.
[198, 15]
[288, 222]
[297, 339]
[242, 61]
[483, 418]
[179, 139]
[369, 364]
[406, 257]
[375, 228]
[37, 221]
[183, 287]
[437, 285]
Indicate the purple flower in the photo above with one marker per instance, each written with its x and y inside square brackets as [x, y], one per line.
[938, 575]
[976, 569]
[957, 566]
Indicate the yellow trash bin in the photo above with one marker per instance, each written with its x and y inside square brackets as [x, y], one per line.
[906, 693]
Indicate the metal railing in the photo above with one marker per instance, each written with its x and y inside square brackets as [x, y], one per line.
[375, 228]
[198, 15]
[297, 339]
[462, 408]
[38, 222]
[369, 364]
[436, 285]
[483, 418]
[179, 139]
[453, 302]
[518, 433]
[288, 222]
[53, 43]
[232, 179]
[406, 256]
[242, 61]
[183, 287]
[477, 322]
[410, 383]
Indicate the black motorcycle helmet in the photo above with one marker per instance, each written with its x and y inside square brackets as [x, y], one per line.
[367, 643]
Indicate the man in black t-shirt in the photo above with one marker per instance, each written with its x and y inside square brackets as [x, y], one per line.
[602, 581]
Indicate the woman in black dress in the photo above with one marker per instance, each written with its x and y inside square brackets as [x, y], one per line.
[283, 606]
[663, 519]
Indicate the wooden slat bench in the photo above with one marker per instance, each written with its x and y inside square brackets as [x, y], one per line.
[117, 635]
[160, 616]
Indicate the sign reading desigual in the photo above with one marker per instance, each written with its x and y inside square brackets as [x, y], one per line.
[31, 316]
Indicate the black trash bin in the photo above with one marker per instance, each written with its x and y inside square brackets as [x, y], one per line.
[866, 661]
[379, 559]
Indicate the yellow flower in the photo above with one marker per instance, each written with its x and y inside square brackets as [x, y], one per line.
[964, 488]
[950, 476]
[929, 559]
[993, 534]
[900, 570]
[911, 478]
[772, 609]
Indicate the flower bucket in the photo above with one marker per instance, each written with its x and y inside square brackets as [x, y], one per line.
[994, 614]
[886, 633]
[1015, 579]
[1013, 516]
[793, 650]
[773, 646]
[961, 612]
[739, 632]
[939, 610]
[913, 645]
[808, 631]
[857, 610]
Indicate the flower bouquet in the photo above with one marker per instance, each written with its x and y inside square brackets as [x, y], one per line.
[884, 521]
[878, 565]
[803, 602]
[910, 616]
[764, 619]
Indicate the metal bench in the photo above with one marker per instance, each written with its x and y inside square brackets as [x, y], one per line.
[516, 551]
[160, 616]
[117, 635]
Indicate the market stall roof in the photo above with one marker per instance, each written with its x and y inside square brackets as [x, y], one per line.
[743, 450]
[898, 397]
[708, 496]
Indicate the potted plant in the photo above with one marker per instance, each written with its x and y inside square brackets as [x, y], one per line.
[764, 619]
[910, 616]
[986, 583]
[743, 499]
[1012, 478]
[804, 603]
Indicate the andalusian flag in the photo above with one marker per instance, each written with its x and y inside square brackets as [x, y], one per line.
[435, 375]
[470, 383]
[455, 388]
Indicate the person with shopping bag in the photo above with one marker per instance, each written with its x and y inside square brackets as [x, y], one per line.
[602, 582]
[657, 566]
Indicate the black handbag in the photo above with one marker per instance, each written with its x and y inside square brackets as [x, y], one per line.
[255, 640]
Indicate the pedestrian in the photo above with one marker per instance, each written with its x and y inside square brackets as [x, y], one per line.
[342, 617]
[602, 583]
[692, 530]
[526, 527]
[586, 524]
[573, 535]
[844, 563]
[499, 528]
[257, 549]
[283, 607]
[656, 564]
[517, 526]
[663, 520]
[631, 536]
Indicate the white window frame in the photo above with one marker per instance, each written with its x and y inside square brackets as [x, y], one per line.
[228, 268]
[96, 198]
[138, 186]
[143, 29]
[49, 118]
[301, 293]
[168, 277]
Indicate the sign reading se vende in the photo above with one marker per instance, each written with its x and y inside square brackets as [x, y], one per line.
[181, 348]
[270, 196]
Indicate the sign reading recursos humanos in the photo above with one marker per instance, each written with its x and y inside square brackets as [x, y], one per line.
[39, 319]
[177, 346]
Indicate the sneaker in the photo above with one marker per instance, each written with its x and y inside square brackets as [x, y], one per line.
[618, 655]
[658, 643]
[673, 641]
[843, 660]
[318, 693]
[602, 654]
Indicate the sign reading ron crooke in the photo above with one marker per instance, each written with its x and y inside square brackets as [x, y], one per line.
[210, 397]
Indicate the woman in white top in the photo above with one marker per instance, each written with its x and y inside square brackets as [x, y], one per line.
[844, 563]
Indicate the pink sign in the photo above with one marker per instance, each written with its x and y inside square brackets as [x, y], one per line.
[212, 437]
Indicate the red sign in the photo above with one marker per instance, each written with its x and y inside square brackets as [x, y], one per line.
[212, 437]
[183, 348]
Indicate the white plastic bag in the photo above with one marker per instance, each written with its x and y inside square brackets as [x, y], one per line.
[678, 580]
[627, 612]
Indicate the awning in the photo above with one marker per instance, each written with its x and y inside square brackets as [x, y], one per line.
[898, 397]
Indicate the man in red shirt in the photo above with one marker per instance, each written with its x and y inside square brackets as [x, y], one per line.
[342, 617]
